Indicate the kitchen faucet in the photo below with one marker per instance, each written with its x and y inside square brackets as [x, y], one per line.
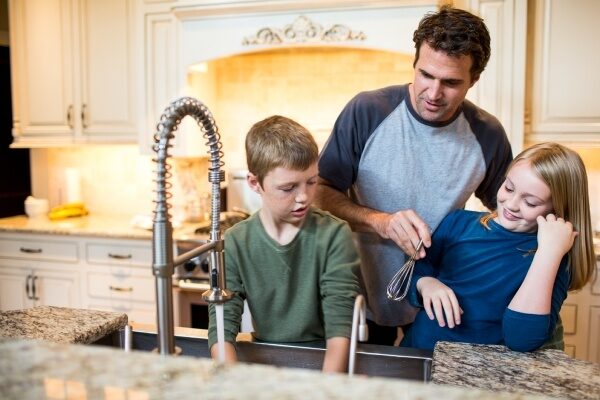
[360, 330]
[163, 263]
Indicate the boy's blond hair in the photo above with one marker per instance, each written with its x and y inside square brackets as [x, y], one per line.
[279, 142]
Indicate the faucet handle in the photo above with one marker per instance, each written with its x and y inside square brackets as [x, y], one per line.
[363, 332]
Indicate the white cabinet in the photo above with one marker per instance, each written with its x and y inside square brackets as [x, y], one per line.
[31, 275]
[80, 272]
[563, 75]
[75, 68]
[581, 319]
[118, 277]
[14, 295]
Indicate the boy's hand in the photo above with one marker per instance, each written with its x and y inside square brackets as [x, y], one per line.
[230, 353]
[336, 355]
[555, 235]
[439, 301]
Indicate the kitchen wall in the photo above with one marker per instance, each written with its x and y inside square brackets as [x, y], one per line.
[309, 84]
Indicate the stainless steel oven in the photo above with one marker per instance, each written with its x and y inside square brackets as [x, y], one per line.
[191, 279]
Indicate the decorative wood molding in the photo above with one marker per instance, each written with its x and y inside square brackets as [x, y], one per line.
[303, 30]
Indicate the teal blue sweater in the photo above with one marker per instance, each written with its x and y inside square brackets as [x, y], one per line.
[298, 292]
[485, 268]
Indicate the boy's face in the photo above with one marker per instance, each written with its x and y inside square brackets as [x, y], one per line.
[286, 193]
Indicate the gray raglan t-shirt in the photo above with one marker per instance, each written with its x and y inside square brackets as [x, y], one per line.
[388, 158]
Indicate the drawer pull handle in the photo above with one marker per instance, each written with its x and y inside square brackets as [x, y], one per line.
[30, 251]
[121, 289]
[28, 287]
[120, 256]
[33, 290]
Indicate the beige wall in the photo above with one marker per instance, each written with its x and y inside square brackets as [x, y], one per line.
[311, 87]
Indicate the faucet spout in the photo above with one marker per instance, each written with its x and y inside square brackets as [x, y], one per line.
[360, 331]
[162, 230]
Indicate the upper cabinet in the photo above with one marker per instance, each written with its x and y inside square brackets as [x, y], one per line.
[563, 75]
[75, 72]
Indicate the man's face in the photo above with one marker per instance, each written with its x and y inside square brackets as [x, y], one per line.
[440, 85]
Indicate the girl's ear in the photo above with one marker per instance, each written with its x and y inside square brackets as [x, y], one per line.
[253, 183]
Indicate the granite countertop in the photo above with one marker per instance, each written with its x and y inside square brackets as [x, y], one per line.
[95, 225]
[494, 367]
[33, 369]
[61, 325]
[91, 225]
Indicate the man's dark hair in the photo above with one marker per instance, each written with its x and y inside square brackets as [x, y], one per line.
[455, 32]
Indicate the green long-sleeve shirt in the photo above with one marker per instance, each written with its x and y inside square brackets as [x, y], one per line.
[297, 292]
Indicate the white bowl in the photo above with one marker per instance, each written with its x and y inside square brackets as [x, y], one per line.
[36, 208]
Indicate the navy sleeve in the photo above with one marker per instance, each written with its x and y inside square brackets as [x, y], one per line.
[339, 159]
[428, 265]
[496, 151]
[528, 332]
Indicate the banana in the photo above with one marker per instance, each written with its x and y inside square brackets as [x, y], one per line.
[74, 205]
[60, 212]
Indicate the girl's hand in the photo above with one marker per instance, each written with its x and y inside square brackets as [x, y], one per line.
[439, 300]
[555, 235]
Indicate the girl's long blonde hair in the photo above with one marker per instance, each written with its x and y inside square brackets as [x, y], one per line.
[563, 171]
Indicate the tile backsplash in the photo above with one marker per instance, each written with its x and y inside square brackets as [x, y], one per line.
[118, 180]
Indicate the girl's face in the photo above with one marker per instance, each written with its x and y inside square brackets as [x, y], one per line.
[522, 198]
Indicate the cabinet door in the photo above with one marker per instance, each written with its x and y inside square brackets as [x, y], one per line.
[108, 78]
[564, 103]
[55, 288]
[41, 46]
[13, 291]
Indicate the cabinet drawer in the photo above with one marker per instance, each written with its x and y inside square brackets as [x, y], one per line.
[109, 286]
[113, 254]
[38, 250]
[135, 312]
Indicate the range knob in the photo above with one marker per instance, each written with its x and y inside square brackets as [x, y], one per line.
[189, 266]
[204, 265]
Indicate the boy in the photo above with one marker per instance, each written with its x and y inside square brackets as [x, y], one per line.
[295, 265]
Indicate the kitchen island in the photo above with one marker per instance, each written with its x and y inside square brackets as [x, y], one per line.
[60, 325]
[60, 367]
[496, 368]
[36, 370]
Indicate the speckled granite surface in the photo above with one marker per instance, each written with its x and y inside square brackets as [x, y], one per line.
[91, 225]
[94, 225]
[61, 325]
[37, 370]
[551, 372]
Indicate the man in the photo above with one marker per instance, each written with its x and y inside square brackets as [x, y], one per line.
[400, 158]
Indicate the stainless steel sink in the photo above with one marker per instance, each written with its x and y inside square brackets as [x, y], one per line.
[371, 360]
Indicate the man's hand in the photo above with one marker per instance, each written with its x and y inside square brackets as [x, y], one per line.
[405, 228]
[439, 302]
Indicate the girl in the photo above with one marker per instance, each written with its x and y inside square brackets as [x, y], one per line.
[501, 277]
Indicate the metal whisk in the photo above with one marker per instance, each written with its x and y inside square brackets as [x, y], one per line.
[399, 284]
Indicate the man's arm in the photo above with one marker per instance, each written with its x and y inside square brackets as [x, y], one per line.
[336, 355]
[404, 227]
